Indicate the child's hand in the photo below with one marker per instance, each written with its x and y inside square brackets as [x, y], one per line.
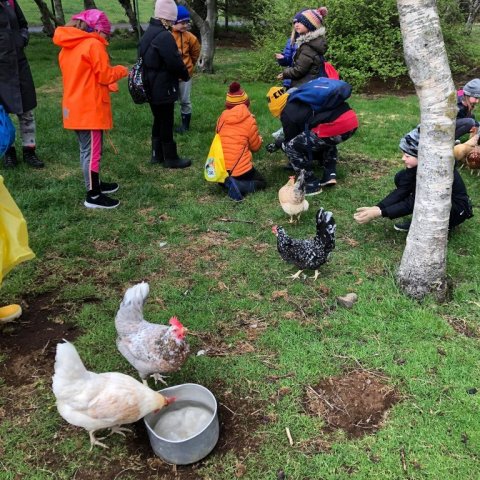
[280, 76]
[366, 214]
[279, 56]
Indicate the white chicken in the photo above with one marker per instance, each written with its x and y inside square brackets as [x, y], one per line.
[95, 401]
[152, 349]
[292, 197]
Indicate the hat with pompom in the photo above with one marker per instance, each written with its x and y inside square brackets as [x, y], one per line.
[236, 96]
[96, 20]
[311, 19]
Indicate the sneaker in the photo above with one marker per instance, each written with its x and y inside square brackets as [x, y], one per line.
[233, 190]
[100, 201]
[313, 188]
[329, 180]
[402, 227]
[106, 187]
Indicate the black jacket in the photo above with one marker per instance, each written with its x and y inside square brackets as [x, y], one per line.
[17, 91]
[400, 202]
[162, 62]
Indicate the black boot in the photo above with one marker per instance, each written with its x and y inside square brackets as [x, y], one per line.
[186, 117]
[30, 157]
[171, 158]
[157, 151]
[10, 159]
[329, 167]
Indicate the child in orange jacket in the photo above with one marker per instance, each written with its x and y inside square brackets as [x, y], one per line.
[88, 79]
[239, 135]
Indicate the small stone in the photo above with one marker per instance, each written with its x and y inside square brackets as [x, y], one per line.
[472, 391]
[281, 475]
[348, 300]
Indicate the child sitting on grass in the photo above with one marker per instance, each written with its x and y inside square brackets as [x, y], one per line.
[240, 137]
[400, 202]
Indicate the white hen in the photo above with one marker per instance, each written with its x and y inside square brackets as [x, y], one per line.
[95, 401]
[292, 197]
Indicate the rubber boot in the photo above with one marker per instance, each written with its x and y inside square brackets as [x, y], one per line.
[157, 151]
[186, 117]
[30, 157]
[171, 158]
[330, 167]
[10, 159]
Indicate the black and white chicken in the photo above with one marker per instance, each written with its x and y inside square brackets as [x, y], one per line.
[311, 253]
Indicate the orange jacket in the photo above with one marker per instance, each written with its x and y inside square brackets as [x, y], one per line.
[189, 48]
[239, 134]
[88, 79]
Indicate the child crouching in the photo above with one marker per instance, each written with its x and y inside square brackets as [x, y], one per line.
[239, 134]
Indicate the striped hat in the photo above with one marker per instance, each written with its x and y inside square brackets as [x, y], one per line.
[236, 96]
[96, 20]
[409, 143]
[312, 19]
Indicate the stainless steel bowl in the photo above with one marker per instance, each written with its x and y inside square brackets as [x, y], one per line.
[198, 445]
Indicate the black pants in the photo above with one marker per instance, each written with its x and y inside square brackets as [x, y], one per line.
[162, 127]
[250, 181]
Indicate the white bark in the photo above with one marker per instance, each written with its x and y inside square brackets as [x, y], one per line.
[423, 266]
[473, 9]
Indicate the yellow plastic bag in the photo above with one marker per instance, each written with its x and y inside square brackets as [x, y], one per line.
[215, 170]
[14, 247]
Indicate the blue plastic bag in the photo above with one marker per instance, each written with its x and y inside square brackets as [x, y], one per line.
[7, 131]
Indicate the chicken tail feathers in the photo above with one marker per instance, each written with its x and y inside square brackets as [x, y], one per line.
[68, 364]
[136, 294]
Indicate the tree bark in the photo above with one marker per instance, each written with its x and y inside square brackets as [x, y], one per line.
[88, 4]
[127, 6]
[47, 18]
[473, 9]
[207, 33]
[423, 266]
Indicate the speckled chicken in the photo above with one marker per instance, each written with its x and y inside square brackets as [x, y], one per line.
[292, 197]
[152, 349]
[312, 253]
[95, 401]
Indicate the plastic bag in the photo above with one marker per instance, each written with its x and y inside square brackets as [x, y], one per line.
[7, 131]
[215, 170]
[14, 247]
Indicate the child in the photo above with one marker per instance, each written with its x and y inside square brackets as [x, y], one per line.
[239, 135]
[400, 202]
[308, 61]
[189, 48]
[467, 99]
[88, 79]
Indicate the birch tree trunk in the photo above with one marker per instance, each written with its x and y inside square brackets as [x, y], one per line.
[423, 266]
[473, 9]
[207, 33]
[88, 4]
[59, 15]
[127, 6]
[47, 18]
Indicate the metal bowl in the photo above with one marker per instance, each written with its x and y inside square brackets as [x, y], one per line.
[197, 444]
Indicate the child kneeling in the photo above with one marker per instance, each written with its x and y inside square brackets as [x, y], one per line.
[239, 134]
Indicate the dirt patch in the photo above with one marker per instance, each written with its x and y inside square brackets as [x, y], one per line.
[462, 327]
[357, 402]
[232, 38]
[29, 343]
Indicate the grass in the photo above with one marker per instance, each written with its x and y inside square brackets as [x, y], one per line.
[219, 276]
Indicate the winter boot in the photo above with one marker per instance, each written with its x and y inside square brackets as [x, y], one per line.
[171, 158]
[330, 167]
[10, 159]
[30, 157]
[157, 151]
[186, 117]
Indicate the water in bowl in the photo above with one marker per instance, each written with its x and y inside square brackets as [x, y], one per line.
[182, 419]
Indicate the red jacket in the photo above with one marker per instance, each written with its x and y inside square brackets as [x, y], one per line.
[239, 135]
[88, 79]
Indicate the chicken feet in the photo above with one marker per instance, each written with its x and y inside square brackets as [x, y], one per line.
[95, 441]
[295, 276]
[317, 273]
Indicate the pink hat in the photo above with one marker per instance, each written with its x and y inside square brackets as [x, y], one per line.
[96, 20]
[166, 9]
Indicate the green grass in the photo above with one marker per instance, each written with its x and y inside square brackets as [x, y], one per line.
[83, 254]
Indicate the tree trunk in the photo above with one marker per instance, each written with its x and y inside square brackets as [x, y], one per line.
[473, 9]
[207, 34]
[58, 12]
[423, 266]
[47, 18]
[88, 4]
[132, 19]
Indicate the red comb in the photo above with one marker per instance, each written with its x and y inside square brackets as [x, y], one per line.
[175, 322]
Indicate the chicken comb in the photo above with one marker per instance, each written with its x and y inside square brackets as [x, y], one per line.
[175, 322]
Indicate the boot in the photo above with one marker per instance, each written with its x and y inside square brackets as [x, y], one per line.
[157, 151]
[330, 167]
[30, 157]
[186, 117]
[171, 158]
[10, 159]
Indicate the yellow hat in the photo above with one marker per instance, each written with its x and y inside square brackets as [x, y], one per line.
[277, 99]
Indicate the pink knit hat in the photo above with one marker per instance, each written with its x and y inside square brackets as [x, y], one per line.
[166, 9]
[96, 20]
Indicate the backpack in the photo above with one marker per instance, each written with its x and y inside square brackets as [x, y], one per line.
[322, 93]
[7, 131]
[136, 83]
[214, 170]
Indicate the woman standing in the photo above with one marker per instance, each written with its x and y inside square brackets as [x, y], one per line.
[17, 91]
[163, 67]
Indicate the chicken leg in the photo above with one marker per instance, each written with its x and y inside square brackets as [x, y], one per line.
[296, 275]
[94, 441]
[159, 378]
[315, 276]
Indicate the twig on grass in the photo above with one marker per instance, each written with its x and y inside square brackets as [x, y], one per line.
[289, 436]
[233, 220]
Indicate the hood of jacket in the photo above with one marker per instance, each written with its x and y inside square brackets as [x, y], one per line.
[70, 37]
[311, 38]
[235, 115]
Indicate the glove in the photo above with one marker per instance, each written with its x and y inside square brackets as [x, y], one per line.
[271, 147]
[366, 214]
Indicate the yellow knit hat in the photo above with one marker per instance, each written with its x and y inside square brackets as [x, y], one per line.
[277, 99]
[236, 96]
